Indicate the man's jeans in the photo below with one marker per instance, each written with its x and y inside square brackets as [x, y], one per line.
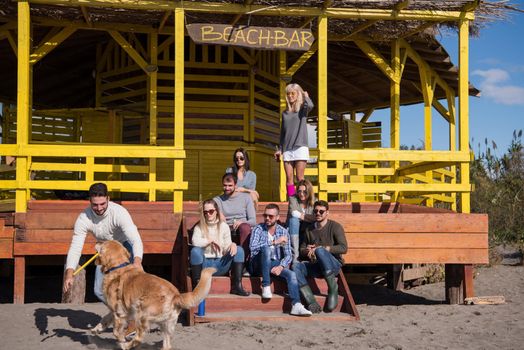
[261, 265]
[99, 275]
[223, 264]
[325, 265]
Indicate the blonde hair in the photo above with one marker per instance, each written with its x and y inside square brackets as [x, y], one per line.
[204, 226]
[309, 188]
[295, 107]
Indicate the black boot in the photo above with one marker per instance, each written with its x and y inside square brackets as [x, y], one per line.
[236, 279]
[311, 302]
[196, 270]
[332, 298]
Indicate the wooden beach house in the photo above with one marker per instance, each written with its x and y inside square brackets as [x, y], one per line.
[152, 97]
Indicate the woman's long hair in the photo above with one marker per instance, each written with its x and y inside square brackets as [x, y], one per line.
[310, 199]
[295, 107]
[246, 160]
[204, 227]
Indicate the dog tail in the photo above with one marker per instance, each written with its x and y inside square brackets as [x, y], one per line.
[192, 299]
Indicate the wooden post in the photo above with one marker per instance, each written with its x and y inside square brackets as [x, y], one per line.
[23, 103]
[394, 89]
[459, 277]
[19, 280]
[283, 71]
[322, 104]
[178, 171]
[452, 141]
[464, 109]
[77, 294]
[394, 280]
[469, 291]
[454, 283]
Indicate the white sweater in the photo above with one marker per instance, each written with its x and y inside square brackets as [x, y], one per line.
[221, 235]
[114, 224]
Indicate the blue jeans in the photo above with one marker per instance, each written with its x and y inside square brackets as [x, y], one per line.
[325, 265]
[293, 225]
[223, 264]
[261, 265]
[99, 275]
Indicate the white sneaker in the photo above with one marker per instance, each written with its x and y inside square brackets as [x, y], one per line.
[299, 310]
[266, 292]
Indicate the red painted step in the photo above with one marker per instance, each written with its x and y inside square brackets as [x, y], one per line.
[230, 302]
[222, 285]
[257, 315]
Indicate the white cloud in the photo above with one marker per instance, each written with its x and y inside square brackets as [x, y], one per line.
[493, 86]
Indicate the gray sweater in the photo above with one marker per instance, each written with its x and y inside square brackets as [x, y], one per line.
[294, 127]
[237, 207]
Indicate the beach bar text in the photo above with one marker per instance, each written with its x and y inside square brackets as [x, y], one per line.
[253, 37]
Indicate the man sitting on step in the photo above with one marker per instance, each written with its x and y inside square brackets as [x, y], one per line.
[237, 210]
[271, 255]
[322, 249]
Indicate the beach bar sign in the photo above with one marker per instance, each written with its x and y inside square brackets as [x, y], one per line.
[298, 39]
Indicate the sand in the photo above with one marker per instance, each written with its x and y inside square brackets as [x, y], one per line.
[414, 319]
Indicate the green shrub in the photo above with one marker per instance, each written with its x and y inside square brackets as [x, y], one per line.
[499, 190]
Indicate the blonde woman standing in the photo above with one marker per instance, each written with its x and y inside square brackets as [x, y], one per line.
[212, 247]
[294, 149]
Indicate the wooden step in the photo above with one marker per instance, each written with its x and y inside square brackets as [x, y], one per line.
[279, 302]
[222, 285]
[257, 315]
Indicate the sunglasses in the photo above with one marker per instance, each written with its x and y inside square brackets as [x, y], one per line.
[302, 191]
[319, 211]
[209, 212]
[239, 158]
[271, 216]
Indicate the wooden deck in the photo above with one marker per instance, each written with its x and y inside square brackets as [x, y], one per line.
[377, 233]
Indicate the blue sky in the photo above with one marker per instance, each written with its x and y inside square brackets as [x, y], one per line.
[497, 69]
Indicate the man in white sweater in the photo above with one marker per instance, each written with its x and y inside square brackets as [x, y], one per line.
[106, 221]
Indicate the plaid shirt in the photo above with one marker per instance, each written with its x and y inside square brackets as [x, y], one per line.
[260, 239]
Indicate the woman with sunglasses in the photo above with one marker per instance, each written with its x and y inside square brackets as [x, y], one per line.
[246, 178]
[300, 214]
[212, 247]
[294, 149]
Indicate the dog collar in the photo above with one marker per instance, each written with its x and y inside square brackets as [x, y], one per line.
[118, 267]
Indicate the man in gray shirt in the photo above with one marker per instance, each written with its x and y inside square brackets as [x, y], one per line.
[238, 210]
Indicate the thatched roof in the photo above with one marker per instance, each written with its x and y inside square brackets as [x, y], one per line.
[64, 77]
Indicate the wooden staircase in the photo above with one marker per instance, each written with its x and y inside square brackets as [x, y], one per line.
[222, 306]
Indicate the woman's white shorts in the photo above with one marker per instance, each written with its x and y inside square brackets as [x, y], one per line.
[299, 153]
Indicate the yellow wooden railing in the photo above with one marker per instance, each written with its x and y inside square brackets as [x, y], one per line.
[347, 171]
[90, 168]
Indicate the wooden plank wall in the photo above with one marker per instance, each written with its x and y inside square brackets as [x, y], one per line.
[416, 238]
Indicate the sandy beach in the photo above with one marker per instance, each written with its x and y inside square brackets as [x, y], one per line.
[414, 319]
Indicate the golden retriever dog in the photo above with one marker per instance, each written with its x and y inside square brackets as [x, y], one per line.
[132, 294]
